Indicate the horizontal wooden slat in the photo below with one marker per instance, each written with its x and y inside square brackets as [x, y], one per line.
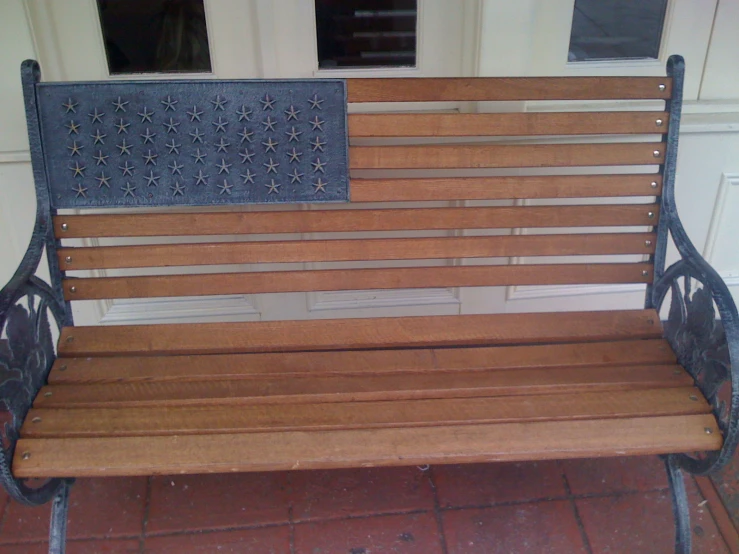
[164, 255]
[328, 221]
[505, 124]
[362, 362]
[355, 388]
[354, 279]
[157, 420]
[505, 155]
[348, 334]
[498, 188]
[223, 453]
[507, 89]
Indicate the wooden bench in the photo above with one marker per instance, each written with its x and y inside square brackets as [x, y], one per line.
[332, 393]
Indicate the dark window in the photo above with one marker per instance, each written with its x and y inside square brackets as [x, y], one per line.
[154, 36]
[616, 29]
[366, 33]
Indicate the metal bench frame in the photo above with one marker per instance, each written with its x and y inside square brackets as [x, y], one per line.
[706, 347]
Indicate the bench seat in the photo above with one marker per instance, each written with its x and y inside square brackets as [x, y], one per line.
[194, 398]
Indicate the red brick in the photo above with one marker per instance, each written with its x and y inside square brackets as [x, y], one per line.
[269, 540]
[535, 527]
[487, 484]
[121, 546]
[27, 548]
[351, 492]
[727, 486]
[217, 501]
[396, 534]
[614, 475]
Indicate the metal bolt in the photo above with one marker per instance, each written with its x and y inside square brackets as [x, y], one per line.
[644, 273]
[693, 397]
[63, 367]
[70, 339]
[658, 123]
[661, 87]
[650, 215]
[36, 419]
[68, 259]
[656, 153]
[26, 455]
[647, 243]
[47, 394]
[65, 227]
[653, 184]
[72, 289]
[708, 431]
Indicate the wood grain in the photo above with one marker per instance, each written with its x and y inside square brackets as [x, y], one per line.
[507, 89]
[229, 452]
[330, 221]
[506, 155]
[505, 124]
[350, 334]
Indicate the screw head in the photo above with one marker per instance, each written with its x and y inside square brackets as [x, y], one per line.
[653, 184]
[70, 339]
[47, 394]
[658, 123]
[68, 259]
[656, 153]
[36, 419]
[693, 398]
[708, 431]
[650, 215]
[65, 227]
[677, 371]
[647, 243]
[26, 455]
[645, 273]
[63, 367]
[661, 87]
[72, 289]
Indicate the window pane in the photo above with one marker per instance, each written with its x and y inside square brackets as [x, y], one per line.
[616, 29]
[366, 33]
[145, 36]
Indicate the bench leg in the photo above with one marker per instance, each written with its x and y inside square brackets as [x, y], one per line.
[680, 507]
[58, 527]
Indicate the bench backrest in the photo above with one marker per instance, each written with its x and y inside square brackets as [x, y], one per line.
[431, 202]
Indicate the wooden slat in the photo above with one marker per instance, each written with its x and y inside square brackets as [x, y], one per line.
[259, 282]
[348, 334]
[361, 388]
[507, 89]
[223, 453]
[498, 188]
[159, 421]
[505, 124]
[504, 155]
[164, 255]
[337, 221]
[363, 362]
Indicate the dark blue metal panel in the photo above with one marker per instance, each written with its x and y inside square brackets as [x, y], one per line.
[194, 143]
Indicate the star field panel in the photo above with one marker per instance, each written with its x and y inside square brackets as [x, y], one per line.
[194, 143]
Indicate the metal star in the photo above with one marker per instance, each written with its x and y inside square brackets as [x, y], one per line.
[220, 125]
[294, 156]
[100, 158]
[268, 103]
[292, 113]
[222, 145]
[127, 169]
[218, 103]
[248, 177]
[225, 187]
[97, 117]
[223, 166]
[271, 166]
[171, 126]
[150, 158]
[317, 144]
[273, 187]
[80, 191]
[315, 102]
[201, 179]
[244, 113]
[295, 176]
[98, 137]
[177, 188]
[120, 106]
[197, 135]
[246, 156]
[173, 147]
[146, 115]
[151, 179]
[169, 104]
[318, 166]
[73, 128]
[76, 149]
[195, 113]
[245, 135]
[176, 168]
[316, 123]
[124, 148]
[103, 180]
[148, 136]
[293, 135]
[269, 125]
[78, 169]
[269, 146]
[128, 190]
[320, 186]
[70, 105]
[122, 126]
[199, 158]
